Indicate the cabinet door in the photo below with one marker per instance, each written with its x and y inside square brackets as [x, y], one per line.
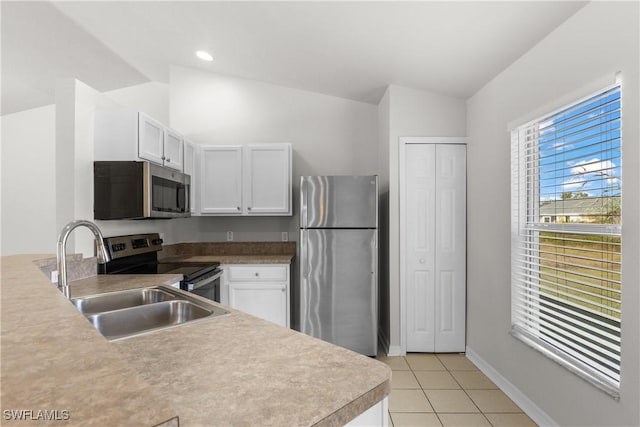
[221, 180]
[267, 173]
[150, 139]
[189, 160]
[265, 300]
[173, 149]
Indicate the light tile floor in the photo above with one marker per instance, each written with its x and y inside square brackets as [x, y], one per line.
[447, 390]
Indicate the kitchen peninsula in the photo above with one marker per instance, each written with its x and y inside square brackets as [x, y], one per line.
[230, 370]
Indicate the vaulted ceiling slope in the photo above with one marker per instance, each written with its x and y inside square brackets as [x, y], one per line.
[347, 49]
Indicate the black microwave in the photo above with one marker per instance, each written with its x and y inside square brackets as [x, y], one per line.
[136, 190]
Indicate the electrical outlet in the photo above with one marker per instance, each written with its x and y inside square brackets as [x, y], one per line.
[285, 236]
[229, 236]
[54, 276]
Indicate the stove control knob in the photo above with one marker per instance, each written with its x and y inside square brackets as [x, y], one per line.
[156, 241]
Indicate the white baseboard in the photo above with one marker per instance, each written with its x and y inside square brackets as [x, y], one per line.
[518, 397]
[396, 350]
[388, 349]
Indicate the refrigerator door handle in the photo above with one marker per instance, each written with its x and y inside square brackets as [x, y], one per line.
[303, 254]
[304, 324]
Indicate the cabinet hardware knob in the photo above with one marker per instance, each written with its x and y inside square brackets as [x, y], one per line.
[249, 208]
[421, 260]
[163, 158]
[238, 208]
[257, 274]
[284, 289]
[168, 159]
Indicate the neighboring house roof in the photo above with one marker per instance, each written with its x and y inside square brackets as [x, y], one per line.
[579, 207]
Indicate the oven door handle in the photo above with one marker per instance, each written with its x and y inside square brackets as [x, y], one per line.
[192, 286]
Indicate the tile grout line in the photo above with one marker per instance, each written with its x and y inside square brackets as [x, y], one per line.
[449, 371]
[469, 396]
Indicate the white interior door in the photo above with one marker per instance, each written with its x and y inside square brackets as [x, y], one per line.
[450, 235]
[420, 250]
[434, 247]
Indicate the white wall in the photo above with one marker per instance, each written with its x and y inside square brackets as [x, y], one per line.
[152, 98]
[598, 40]
[28, 184]
[412, 113]
[330, 135]
[50, 151]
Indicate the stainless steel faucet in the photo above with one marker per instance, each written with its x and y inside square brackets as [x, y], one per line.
[103, 253]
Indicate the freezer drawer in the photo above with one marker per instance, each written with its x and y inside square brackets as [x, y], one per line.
[339, 201]
[338, 287]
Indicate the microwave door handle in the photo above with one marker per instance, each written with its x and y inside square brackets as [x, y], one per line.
[181, 202]
[192, 286]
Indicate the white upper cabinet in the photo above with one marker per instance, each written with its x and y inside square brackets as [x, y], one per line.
[125, 134]
[267, 176]
[150, 139]
[173, 154]
[221, 180]
[158, 143]
[247, 180]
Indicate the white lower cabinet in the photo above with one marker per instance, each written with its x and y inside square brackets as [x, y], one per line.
[261, 290]
[377, 415]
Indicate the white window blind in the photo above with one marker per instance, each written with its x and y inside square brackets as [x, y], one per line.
[566, 236]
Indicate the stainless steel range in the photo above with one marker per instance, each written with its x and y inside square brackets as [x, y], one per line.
[138, 254]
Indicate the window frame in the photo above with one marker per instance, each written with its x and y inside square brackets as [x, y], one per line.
[525, 203]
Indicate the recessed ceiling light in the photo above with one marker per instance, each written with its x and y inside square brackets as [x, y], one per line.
[205, 56]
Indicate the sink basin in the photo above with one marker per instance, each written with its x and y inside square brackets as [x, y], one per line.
[123, 314]
[122, 299]
[129, 321]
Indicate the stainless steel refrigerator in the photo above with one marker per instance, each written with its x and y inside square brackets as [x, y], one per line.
[339, 260]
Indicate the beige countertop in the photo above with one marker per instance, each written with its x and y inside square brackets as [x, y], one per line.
[231, 252]
[232, 370]
[234, 259]
[53, 360]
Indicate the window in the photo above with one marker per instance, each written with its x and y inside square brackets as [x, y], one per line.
[566, 236]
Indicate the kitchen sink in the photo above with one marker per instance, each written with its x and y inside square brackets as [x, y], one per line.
[122, 299]
[129, 321]
[124, 314]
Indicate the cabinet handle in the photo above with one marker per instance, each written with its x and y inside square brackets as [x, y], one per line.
[257, 274]
[284, 289]
[249, 208]
[168, 159]
[238, 208]
[163, 158]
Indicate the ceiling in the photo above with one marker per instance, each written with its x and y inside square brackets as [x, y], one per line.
[347, 49]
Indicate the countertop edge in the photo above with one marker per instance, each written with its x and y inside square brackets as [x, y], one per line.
[352, 410]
